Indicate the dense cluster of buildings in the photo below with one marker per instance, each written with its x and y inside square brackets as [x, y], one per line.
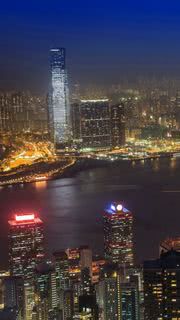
[90, 121]
[81, 123]
[22, 113]
[98, 124]
[75, 284]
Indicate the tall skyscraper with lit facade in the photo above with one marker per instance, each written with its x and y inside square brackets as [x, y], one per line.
[26, 244]
[26, 250]
[130, 309]
[91, 123]
[117, 295]
[59, 113]
[108, 297]
[13, 290]
[162, 287]
[118, 235]
[117, 125]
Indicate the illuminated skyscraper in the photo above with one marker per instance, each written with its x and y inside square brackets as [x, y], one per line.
[91, 123]
[26, 244]
[13, 288]
[117, 125]
[26, 250]
[86, 258]
[62, 270]
[109, 296]
[118, 235]
[62, 278]
[74, 264]
[59, 117]
[130, 308]
[162, 287]
[117, 296]
[45, 292]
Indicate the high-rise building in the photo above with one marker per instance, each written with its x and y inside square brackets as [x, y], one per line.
[22, 113]
[77, 291]
[59, 111]
[46, 302]
[161, 287]
[97, 266]
[74, 264]
[87, 303]
[86, 283]
[4, 113]
[26, 250]
[86, 258]
[3, 275]
[91, 123]
[117, 125]
[62, 269]
[68, 306]
[117, 297]
[133, 280]
[130, 307]
[108, 296]
[14, 295]
[118, 235]
[62, 277]
[26, 244]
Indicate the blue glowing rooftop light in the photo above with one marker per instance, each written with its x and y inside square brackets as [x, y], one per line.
[114, 208]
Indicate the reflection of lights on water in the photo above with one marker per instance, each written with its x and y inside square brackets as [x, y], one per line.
[40, 185]
[156, 165]
[133, 163]
[173, 163]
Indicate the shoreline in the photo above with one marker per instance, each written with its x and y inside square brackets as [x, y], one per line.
[74, 168]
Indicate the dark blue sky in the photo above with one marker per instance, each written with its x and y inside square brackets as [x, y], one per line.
[105, 40]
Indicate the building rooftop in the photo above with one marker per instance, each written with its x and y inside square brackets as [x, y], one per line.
[24, 219]
[170, 243]
[169, 259]
[116, 208]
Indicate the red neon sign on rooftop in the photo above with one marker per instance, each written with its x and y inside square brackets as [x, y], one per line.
[24, 217]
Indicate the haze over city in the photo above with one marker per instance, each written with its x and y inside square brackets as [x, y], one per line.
[106, 41]
[89, 160]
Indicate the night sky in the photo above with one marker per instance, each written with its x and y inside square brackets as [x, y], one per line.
[105, 40]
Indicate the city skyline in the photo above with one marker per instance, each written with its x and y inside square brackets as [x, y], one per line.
[73, 283]
[90, 160]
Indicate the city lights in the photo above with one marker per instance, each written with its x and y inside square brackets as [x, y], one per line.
[118, 235]
[59, 106]
[88, 133]
[113, 207]
[24, 217]
[119, 207]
